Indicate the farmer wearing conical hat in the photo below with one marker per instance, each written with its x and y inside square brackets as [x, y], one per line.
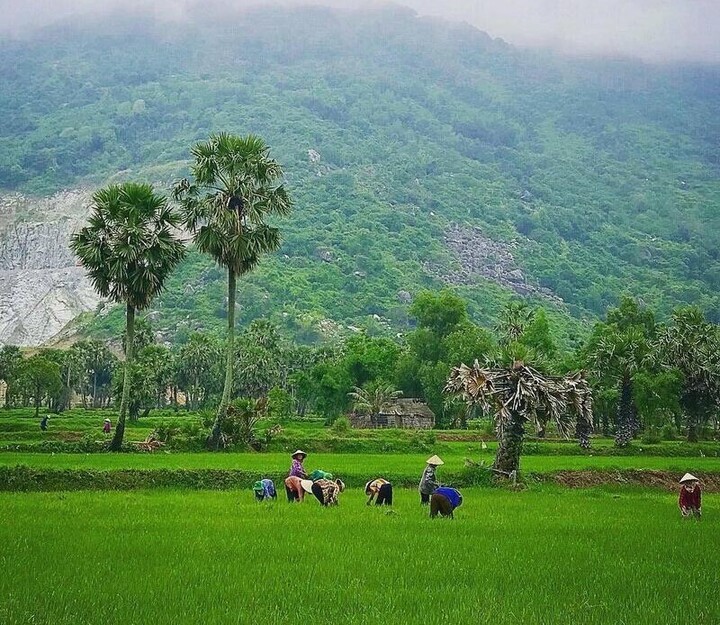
[690, 501]
[296, 468]
[428, 482]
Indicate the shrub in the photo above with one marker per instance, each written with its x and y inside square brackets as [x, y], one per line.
[668, 432]
[651, 436]
[341, 425]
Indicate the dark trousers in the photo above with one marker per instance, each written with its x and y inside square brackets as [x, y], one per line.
[384, 496]
[440, 504]
[291, 495]
[317, 491]
[424, 499]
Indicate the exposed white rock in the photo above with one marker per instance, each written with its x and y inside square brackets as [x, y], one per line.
[41, 286]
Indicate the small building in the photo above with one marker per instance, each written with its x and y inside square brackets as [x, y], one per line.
[407, 413]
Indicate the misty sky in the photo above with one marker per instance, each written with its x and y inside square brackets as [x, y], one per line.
[654, 30]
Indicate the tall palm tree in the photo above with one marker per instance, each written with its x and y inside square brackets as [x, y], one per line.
[371, 400]
[128, 249]
[236, 186]
[520, 394]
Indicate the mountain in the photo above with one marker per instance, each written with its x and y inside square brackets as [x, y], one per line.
[419, 153]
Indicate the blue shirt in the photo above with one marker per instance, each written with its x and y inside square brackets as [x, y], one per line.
[452, 495]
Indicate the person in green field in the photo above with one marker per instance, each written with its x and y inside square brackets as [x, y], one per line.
[264, 490]
[429, 482]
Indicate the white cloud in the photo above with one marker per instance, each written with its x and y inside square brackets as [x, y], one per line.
[655, 30]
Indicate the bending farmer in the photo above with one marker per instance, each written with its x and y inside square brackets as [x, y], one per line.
[380, 488]
[444, 501]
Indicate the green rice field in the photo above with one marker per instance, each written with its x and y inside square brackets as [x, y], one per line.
[540, 556]
[365, 464]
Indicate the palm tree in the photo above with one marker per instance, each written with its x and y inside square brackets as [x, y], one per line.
[520, 394]
[236, 187]
[371, 400]
[513, 320]
[128, 249]
[691, 345]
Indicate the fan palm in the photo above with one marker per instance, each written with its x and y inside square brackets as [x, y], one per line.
[236, 186]
[128, 249]
[371, 400]
[520, 394]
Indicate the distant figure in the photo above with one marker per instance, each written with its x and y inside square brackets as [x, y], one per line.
[444, 501]
[107, 426]
[428, 481]
[264, 490]
[43, 423]
[296, 468]
[380, 488]
[690, 501]
[294, 488]
[325, 491]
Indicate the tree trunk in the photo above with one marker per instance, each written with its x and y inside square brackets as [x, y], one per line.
[214, 438]
[94, 402]
[117, 440]
[507, 458]
[37, 401]
[624, 431]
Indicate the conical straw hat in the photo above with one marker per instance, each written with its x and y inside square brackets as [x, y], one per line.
[298, 452]
[688, 477]
[306, 485]
[435, 460]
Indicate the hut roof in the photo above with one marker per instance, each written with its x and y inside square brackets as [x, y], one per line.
[407, 406]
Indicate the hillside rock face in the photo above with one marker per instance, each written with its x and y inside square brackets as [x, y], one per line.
[41, 286]
[479, 256]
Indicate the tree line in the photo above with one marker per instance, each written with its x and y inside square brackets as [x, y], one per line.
[644, 374]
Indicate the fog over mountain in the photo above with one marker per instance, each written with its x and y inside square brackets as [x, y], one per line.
[653, 30]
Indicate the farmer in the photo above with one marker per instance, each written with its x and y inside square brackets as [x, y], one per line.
[294, 488]
[296, 468]
[428, 481]
[264, 490]
[690, 497]
[380, 488]
[444, 501]
[317, 474]
[43, 423]
[107, 426]
[325, 491]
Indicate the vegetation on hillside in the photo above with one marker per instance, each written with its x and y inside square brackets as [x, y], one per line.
[598, 176]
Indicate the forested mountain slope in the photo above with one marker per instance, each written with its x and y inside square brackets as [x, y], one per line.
[418, 153]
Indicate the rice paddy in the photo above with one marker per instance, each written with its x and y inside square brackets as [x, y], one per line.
[535, 557]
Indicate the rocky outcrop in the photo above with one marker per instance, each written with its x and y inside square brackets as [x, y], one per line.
[41, 286]
[479, 256]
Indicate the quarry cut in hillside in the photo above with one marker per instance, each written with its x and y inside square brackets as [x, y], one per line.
[41, 286]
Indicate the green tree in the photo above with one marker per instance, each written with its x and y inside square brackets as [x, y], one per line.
[691, 346]
[236, 187]
[129, 249]
[41, 377]
[10, 361]
[617, 351]
[196, 364]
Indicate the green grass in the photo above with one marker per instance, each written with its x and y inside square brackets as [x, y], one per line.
[396, 464]
[534, 557]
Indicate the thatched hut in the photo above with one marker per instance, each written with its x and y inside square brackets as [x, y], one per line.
[407, 413]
